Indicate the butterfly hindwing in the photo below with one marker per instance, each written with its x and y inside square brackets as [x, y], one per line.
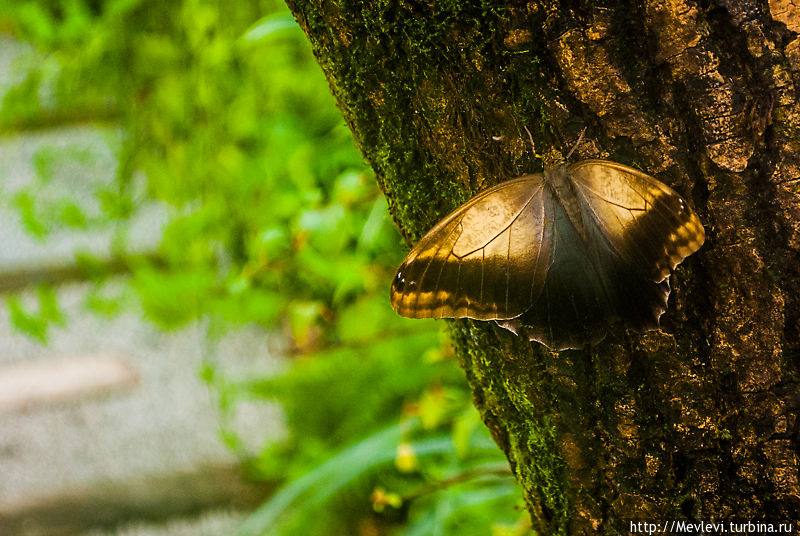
[485, 260]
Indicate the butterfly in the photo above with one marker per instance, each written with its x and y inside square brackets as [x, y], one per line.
[555, 256]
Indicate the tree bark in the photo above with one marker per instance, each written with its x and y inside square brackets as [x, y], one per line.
[697, 421]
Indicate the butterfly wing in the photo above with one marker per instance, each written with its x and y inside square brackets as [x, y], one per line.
[646, 222]
[487, 260]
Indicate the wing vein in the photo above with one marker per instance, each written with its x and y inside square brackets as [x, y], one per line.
[508, 266]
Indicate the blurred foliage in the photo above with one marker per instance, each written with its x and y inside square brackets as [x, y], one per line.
[35, 323]
[217, 114]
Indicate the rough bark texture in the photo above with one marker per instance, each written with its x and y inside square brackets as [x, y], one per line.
[700, 419]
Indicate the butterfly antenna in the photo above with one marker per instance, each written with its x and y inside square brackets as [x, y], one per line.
[533, 145]
[580, 138]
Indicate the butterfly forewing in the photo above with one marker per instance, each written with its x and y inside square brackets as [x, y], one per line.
[480, 261]
[645, 221]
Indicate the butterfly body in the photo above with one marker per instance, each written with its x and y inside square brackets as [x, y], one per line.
[555, 256]
[562, 188]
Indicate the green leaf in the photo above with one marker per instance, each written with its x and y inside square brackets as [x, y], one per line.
[452, 506]
[48, 305]
[24, 322]
[254, 305]
[325, 228]
[29, 215]
[107, 300]
[373, 226]
[464, 428]
[269, 26]
[173, 299]
[71, 214]
[36, 324]
[351, 187]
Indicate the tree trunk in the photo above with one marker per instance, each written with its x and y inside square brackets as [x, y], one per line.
[699, 420]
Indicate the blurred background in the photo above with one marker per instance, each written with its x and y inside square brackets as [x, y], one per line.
[195, 260]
